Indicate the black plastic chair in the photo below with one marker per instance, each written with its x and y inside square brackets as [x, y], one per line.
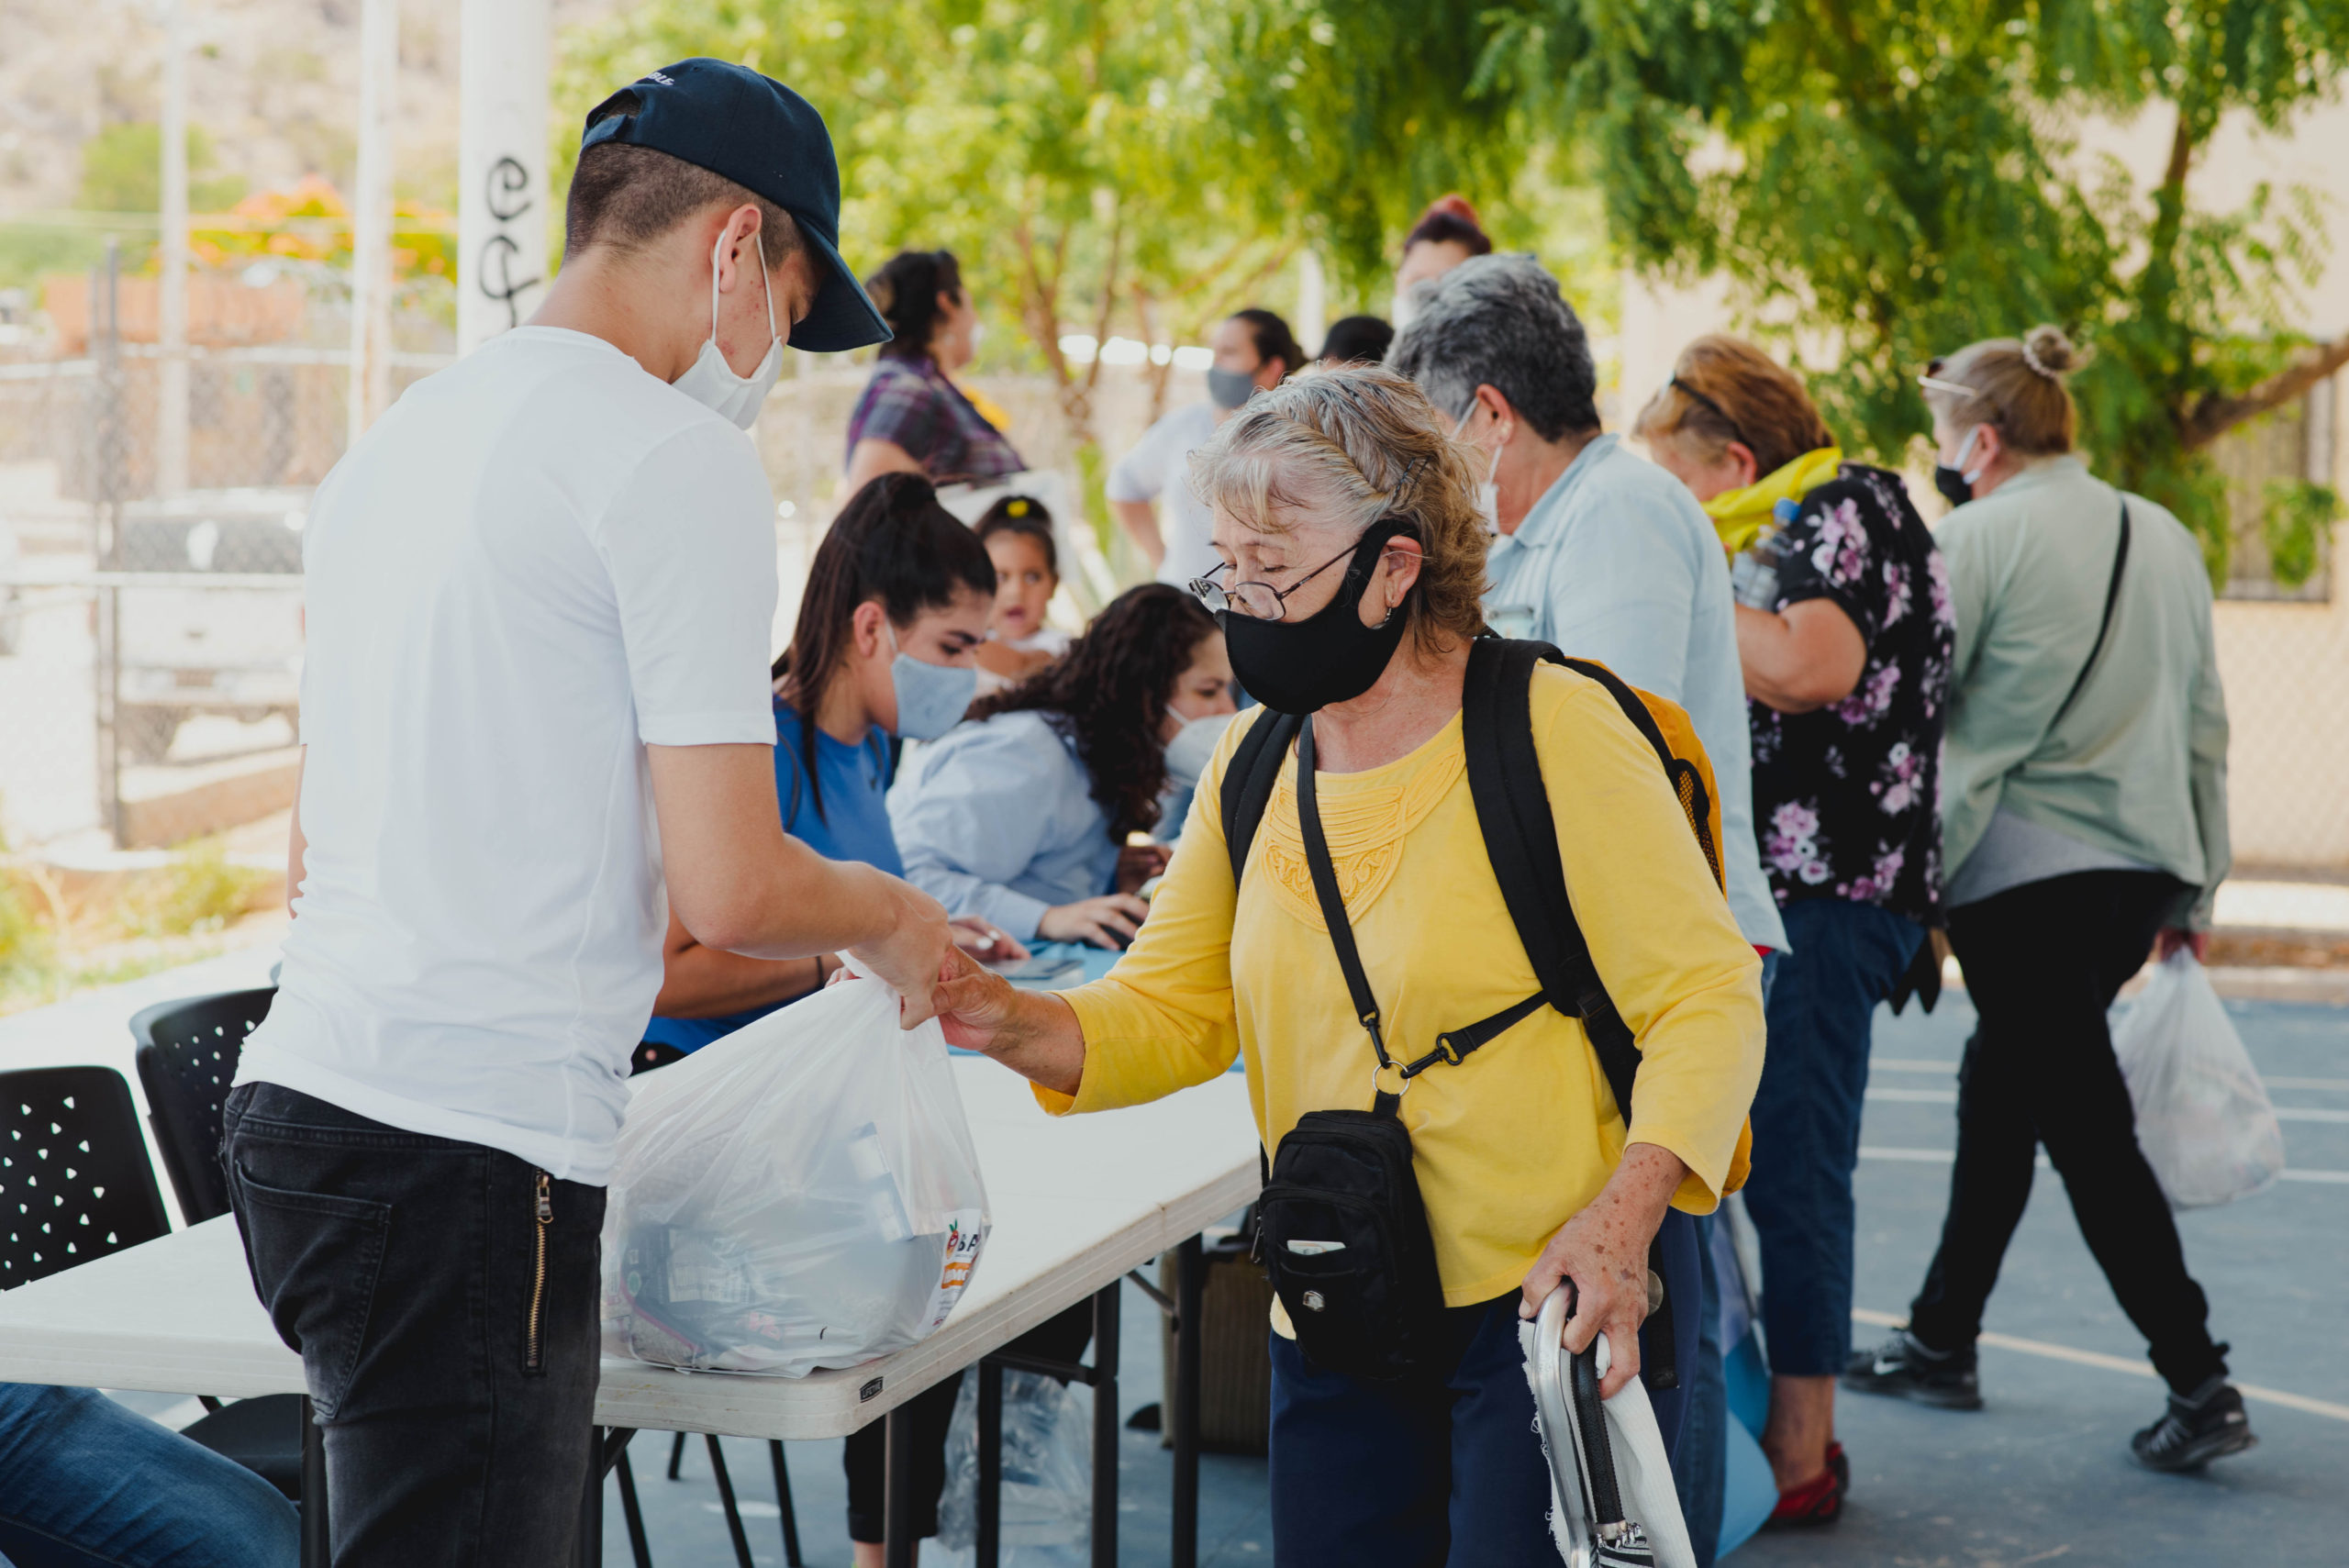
[76, 1184]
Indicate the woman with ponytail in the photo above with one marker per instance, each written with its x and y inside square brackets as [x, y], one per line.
[914, 417]
[2084, 822]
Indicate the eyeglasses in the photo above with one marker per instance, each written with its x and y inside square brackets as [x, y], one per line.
[1693, 395]
[1258, 601]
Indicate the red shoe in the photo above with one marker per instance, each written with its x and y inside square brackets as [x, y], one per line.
[1818, 1501]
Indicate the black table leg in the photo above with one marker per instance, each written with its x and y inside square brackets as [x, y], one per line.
[590, 1551]
[1183, 1404]
[725, 1500]
[638, 1548]
[989, 1545]
[898, 1542]
[318, 1540]
[783, 1501]
[1105, 1425]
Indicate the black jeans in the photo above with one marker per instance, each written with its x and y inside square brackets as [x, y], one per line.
[444, 1298]
[1060, 1338]
[2043, 963]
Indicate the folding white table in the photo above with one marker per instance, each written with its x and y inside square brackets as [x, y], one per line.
[1078, 1202]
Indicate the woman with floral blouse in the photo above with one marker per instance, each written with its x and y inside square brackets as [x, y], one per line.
[1847, 660]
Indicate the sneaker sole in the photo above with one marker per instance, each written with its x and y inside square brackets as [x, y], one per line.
[1938, 1398]
[2201, 1452]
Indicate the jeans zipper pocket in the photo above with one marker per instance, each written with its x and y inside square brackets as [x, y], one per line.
[533, 1352]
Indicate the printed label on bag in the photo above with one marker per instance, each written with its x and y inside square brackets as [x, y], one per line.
[965, 1231]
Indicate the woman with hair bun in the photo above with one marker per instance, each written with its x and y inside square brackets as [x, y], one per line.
[914, 418]
[2084, 822]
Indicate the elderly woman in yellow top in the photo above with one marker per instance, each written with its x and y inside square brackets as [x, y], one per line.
[1352, 562]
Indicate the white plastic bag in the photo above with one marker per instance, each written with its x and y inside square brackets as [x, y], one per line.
[801, 1193]
[2203, 1117]
[1047, 1518]
[1642, 1475]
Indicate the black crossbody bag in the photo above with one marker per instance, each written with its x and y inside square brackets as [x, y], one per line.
[1343, 1230]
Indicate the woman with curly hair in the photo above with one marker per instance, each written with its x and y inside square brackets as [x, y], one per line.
[1020, 815]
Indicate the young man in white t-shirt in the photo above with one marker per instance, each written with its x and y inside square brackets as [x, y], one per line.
[535, 716]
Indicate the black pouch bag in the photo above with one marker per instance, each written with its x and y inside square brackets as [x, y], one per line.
[1340, 1227]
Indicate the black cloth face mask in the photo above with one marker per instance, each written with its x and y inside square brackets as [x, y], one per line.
[1301, 666]
[1951, 479]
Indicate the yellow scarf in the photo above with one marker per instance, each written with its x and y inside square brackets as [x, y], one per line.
[1739, 515]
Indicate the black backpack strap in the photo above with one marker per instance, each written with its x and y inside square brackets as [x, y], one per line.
[1333, 915]
[1248, 781]
[1521, 841]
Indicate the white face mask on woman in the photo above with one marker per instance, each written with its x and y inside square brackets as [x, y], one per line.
[710, 381]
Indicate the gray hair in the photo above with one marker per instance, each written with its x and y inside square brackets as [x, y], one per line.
[1499, 321]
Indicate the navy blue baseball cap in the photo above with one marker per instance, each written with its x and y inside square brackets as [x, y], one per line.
[767, 138]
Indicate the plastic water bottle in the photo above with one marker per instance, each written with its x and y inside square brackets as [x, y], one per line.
[1753, 572]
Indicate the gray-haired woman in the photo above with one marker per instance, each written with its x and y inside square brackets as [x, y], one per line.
[2084, 817]
[1353, 558]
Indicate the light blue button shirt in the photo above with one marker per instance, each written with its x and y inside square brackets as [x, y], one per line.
[1617, 563]
[998, 819]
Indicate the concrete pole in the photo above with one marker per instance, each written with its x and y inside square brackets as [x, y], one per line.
[501, 166]
[370, 217]
[170, 402]
[1312, 303]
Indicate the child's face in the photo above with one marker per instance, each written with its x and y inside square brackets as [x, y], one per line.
[1023, 585]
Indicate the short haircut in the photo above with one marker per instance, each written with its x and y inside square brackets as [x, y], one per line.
[1273, 339]
[1723, 389]
[625, 196]
[1499, 321]
[1357, 340]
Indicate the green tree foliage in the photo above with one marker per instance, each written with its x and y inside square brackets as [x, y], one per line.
[1139, 168]
[122, 171]
[1901, 180]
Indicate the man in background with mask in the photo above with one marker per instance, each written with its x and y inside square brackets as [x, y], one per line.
[1254, 351]
[535, 715]
[1609, 558]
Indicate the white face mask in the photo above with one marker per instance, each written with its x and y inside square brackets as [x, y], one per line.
[1193, 747]
[1488, 493]
[710, 381]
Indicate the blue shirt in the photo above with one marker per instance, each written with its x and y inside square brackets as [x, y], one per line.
[852, 826]
[1617, 563]
[998, 819]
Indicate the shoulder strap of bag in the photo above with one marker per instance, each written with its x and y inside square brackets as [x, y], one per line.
[1333, 913]
[1521, 841]
[2103, 627]
[1248, 781]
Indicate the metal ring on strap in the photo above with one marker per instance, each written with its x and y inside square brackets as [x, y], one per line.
[1402, 1079]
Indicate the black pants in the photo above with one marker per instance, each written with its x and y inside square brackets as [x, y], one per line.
[448, 1335]
[865, 1457]
[2043, 963]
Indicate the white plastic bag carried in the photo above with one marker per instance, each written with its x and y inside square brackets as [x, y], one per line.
[2203, 1117]
[1612, 1501]
[801, 1193]
[1047, 1500]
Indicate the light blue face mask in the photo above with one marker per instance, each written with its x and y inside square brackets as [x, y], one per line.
[930, 698]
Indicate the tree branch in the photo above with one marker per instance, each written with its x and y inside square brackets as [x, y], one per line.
[2213, 415]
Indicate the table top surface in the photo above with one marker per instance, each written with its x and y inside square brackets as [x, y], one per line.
[1076, 1201]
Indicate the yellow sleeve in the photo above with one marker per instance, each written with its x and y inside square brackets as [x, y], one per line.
[1660, 934]
[1163, 1019]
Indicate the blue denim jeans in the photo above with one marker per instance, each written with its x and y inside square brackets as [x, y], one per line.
[444, 1298]
[1845, 959]
[1445, 1468]
[85, 1483]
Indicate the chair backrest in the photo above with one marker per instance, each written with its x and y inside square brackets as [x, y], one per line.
[187, 1058]
[75, 1182]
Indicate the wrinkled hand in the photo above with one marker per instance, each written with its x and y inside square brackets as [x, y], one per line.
[985, 940]
[2173, 937]
[974, 1004]
[1603, 1250]
[914, 954]
[1108, 921]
